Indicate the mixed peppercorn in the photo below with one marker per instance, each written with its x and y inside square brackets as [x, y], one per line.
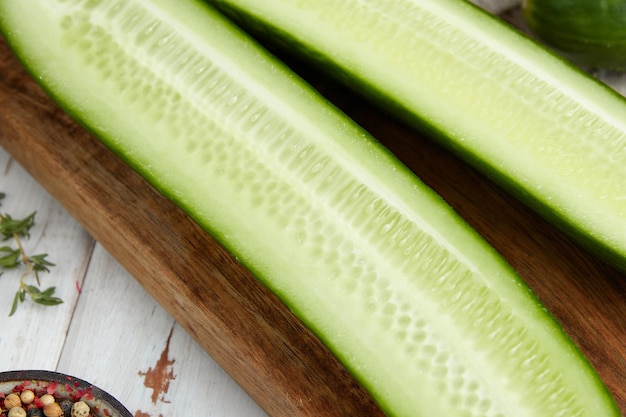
[27, 402]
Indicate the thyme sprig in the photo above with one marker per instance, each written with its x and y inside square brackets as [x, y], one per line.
[14, 257]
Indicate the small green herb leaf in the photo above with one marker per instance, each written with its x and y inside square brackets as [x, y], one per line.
[10, 227]
[9, 257]
[43, 297]
[39, 263]
[19, 297]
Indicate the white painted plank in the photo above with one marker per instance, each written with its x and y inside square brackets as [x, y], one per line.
[35, 335]
[120, 339]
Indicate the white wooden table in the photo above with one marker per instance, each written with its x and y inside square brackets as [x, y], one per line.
[109, 331]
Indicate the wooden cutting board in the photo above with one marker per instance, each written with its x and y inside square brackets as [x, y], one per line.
[246, 329]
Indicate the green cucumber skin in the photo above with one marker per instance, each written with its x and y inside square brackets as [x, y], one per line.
[590, 33]
[596, 230]
[270, 253]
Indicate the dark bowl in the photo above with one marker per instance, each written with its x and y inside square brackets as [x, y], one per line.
[63, 386]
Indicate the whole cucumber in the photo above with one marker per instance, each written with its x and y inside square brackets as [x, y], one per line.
[589, 33]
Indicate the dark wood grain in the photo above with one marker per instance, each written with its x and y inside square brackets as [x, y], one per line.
[254, 337]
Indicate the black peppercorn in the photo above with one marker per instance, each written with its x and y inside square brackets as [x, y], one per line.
[66, 406]
[34, 412]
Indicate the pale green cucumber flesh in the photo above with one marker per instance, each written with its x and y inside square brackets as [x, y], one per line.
[541, 128]
[411, 300]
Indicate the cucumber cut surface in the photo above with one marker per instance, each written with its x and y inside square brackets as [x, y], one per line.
[413, 302]
[544, 130]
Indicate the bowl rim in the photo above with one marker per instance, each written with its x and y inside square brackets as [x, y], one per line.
[39, 375]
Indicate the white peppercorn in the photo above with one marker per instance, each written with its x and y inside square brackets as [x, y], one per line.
[80, 409]
[12, 400]
[27, 396]
[17, 412]
[52, 410]
[46, 399]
